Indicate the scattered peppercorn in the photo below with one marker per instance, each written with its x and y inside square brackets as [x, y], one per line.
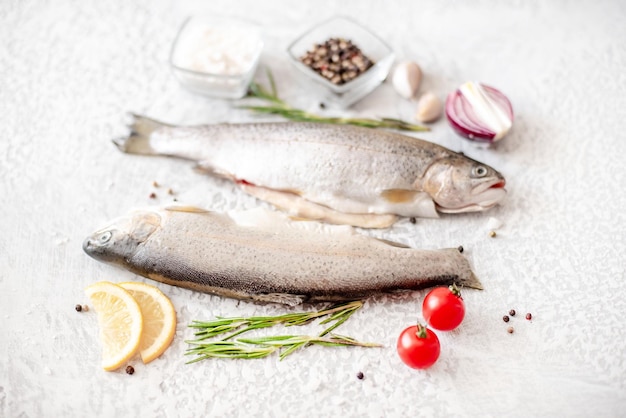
[360, 376]
[492, 234]
[529, 316]
[510, 330]
[85, 308]
[337, 60]
[78, 308]
[512, 312]
[170, 191]
[153, 195]
[505, 318]
[322, 105]
[130, 369]
[460, 248]
[155, 184]
[412, 220]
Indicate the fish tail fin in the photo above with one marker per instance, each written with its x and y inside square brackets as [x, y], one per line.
[471, 281]
[138, 140]
[467, 278]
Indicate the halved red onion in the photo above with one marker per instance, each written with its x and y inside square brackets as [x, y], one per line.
[479, 112]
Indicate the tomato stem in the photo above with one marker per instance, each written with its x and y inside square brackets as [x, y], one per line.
[455, 290]
[421, 331]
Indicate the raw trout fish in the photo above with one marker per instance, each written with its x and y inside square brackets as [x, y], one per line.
[336, 174]
[263, 256]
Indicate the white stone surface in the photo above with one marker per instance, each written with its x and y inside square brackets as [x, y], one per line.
[69, 70]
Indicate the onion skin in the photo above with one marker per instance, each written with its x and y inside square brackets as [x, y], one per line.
[464, 120]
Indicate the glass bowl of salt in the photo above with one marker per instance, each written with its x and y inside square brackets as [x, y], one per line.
[216, 56]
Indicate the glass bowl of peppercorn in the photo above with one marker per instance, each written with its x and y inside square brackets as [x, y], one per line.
[344, 57]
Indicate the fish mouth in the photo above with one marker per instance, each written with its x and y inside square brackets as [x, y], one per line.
[483, 197]
[93, 248]
[496, 184]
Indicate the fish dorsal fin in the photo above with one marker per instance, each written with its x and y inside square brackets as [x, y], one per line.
[186, 208]
[392, 243]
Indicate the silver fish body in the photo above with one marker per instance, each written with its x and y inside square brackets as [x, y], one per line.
[276, 261]
[338, 174]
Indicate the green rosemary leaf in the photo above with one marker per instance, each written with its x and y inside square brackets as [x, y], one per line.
[276, 340]
[340, 321]
[290, 350]
[393, 120]
[270, 77]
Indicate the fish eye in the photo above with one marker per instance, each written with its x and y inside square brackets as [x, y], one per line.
[105, 237]
[479, 171]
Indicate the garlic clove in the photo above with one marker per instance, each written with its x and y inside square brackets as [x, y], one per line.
[429, 107]
[406, 79]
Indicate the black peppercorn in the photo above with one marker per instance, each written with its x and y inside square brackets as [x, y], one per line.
[360, 376]
[130, 369]
[512, 312]
[78, 308]
[505, 318]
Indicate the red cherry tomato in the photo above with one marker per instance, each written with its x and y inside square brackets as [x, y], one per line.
[418, 347]
[443, 308]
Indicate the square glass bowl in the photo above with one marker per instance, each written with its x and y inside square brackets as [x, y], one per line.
[370, 45]
[216, 56]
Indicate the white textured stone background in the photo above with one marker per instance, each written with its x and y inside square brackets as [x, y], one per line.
[70, 70]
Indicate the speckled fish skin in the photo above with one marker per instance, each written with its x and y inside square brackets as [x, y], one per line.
[347, 169]
[210, 252]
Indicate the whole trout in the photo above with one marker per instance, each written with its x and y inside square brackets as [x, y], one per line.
[336, 174]
[269, 258]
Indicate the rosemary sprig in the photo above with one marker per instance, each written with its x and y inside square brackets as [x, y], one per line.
[238, 325]
[281, 108]
[250, 348]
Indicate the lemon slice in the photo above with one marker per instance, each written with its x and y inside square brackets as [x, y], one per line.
[120, 321]
[159, 319]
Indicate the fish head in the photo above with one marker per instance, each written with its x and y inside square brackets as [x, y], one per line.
[119, 240]
[459, 184]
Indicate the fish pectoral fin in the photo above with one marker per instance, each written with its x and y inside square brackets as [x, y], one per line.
[282, 298]
[408, 203]
[300, 207]
[400, 195]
